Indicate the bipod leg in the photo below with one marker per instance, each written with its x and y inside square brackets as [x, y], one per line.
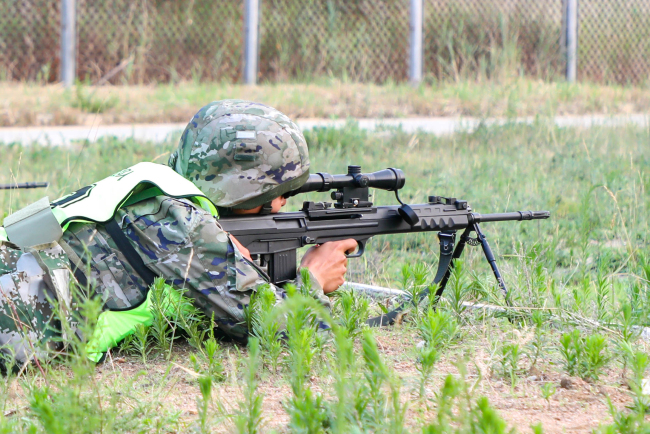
[491, 260]
[442, 276]
[447, 253]
[447, 240]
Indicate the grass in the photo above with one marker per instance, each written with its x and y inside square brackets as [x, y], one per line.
[31, 104]
[567, 355]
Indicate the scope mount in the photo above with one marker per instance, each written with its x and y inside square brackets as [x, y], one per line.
[356, 195]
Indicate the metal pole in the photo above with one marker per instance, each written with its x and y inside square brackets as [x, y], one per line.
[251, 40]
[571, 21]
[68, 42]
[415, 66]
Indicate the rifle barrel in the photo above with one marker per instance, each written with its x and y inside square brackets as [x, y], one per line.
[509, 216]
[17, 185]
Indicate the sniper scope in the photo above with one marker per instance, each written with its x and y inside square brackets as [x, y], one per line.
[390, 179]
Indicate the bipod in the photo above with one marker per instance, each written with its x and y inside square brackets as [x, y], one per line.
[446, 264]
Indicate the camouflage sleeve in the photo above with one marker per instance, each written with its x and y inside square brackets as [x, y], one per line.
[207, 266]
[30, 280]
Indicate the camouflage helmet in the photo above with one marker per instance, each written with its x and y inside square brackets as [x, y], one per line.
[242, 154]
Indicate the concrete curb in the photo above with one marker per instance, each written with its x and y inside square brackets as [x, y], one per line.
[65, 135]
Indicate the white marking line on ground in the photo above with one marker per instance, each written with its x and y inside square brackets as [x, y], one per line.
[65, 135]
[375, 291]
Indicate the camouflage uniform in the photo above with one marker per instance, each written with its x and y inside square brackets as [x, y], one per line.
[29, 280]
[175, 238]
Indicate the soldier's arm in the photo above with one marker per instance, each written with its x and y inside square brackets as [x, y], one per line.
[211, 270]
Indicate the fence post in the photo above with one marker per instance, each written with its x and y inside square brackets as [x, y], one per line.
[415, 65]
[251, 40]
[571, 38]
[68, 42]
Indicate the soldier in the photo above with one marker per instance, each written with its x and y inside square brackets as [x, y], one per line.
[118, 234]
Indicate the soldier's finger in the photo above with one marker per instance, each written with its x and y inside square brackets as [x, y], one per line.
[347, 246]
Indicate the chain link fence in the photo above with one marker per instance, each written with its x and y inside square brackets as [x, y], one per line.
[151, 41]
[29, 40]
[362, 40]
[124, 41]
[488, 38]
[159, 41]
[614, 41]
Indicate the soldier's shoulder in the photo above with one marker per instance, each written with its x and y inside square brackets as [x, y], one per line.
[163, 203]
[164, 211]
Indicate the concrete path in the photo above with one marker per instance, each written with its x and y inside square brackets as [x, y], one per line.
[64, 135]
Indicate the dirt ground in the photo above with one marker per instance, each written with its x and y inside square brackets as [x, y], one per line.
[576, 407]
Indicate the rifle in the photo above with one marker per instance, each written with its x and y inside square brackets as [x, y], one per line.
[21, 185]
[273, 239]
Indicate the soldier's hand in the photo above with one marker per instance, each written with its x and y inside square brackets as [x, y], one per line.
[243, 250]
[328, 264]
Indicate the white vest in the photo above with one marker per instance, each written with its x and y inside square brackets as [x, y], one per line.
[44, 222]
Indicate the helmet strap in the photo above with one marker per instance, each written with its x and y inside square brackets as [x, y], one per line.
[266, 208]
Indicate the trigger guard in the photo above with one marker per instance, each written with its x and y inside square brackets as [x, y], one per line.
[358, 253]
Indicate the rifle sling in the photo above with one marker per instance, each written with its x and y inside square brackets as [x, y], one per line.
[76, 264]
[446, 255]
[129, 252]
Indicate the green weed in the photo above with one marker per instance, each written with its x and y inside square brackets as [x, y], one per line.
[203, 403]
[585, 357]
[162, 328]
[208, 361]
[537, 347]
[458, 412]
[438, 329]
[571, 349]
[248, 418]
[263, 325]
[548, 390]
[376, 375]
[140, 343]
[414, 280]
[351, 310]
[603, 298]
[509, 357]
[638, 362]
[306, 407]
[458, 288]
[346, 386]
[66, 396]
[632, 421]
